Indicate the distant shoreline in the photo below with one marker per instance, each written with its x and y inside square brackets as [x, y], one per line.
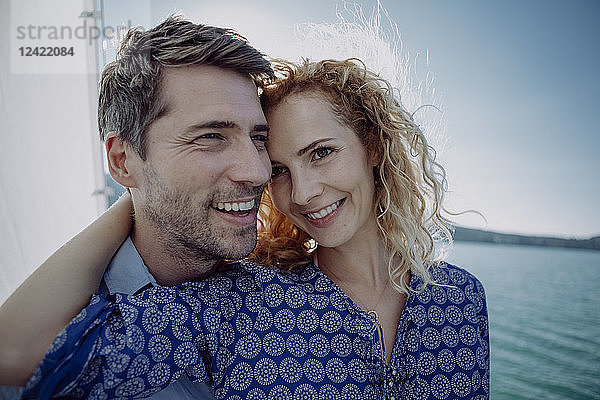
[476, 235]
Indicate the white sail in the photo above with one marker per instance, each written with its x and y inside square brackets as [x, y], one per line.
[50, 157]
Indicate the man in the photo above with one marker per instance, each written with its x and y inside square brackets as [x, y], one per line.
[185, 133]
[194, 148]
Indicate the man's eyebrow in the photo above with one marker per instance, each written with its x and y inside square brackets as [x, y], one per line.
[212, 125]
[261, 128]
[312, 145]
[216, 124]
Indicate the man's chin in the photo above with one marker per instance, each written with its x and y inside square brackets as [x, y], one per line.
[240, 252]
[238, 246]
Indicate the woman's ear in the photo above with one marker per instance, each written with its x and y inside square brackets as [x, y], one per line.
[122, 160]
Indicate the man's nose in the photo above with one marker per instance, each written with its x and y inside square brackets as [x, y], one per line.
[250, 165]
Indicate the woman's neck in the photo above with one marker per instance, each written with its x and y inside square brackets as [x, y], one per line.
[362, 260]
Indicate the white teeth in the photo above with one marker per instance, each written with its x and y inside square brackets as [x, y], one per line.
[247, 206]
[235, 206]
[324, 211]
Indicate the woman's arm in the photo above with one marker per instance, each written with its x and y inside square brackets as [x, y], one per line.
[45, 303]
[132, 346]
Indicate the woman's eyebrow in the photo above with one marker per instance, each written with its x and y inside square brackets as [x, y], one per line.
[312, 145]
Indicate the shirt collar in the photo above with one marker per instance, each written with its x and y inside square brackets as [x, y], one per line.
[127, 272]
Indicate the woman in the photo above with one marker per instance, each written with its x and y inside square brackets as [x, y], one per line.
[355, 305]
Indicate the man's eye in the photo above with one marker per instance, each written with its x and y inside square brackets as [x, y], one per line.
[321, 152]
[260, 141]
[261, 138]
[208, 136]
[276, 171]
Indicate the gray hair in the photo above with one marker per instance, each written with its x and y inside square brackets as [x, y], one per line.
[129, 98]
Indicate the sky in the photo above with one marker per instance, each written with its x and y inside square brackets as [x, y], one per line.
[516, 81]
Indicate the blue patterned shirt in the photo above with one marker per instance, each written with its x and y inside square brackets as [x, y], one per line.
[252, 332]
[127, 274]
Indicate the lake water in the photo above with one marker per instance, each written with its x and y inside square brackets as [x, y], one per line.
[544, 311]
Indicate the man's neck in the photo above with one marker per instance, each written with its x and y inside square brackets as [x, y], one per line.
[168, 263]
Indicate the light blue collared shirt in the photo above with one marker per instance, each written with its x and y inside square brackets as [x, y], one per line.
[127, 273]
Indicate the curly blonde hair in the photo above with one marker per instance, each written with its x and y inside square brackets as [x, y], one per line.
[409, 183]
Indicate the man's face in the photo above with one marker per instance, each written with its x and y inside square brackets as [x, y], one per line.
[206, 163]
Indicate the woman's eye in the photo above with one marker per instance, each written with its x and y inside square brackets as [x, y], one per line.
[322, 152]
[276, 171]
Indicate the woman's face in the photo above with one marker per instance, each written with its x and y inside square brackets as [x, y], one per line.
[322, 177]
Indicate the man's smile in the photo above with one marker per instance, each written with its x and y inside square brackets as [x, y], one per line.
[233, 205]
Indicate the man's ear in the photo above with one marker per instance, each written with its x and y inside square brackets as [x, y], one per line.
[122, 160]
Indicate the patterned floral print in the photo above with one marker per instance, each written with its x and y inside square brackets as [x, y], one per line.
[253, 333]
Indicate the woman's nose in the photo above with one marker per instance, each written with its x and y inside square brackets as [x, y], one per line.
[305, 187]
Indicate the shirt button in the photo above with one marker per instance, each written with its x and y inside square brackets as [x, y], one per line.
[392, 398]
[394, 372]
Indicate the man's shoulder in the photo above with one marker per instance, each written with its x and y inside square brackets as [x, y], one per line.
[250, 276]
[243, 270]
[265, 273]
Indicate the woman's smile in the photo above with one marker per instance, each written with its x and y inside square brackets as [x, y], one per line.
[325, 211]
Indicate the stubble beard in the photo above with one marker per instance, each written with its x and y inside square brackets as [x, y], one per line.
[185, 226]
